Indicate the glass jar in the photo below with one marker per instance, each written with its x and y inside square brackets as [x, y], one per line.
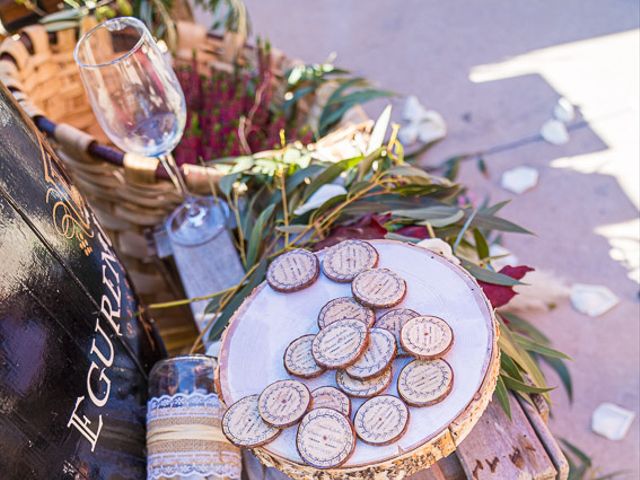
[184, 436]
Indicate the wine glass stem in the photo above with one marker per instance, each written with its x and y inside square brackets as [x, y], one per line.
[169, 164]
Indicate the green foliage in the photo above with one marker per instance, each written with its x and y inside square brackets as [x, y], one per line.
[581, 466]
[347, 92]
[382, 183]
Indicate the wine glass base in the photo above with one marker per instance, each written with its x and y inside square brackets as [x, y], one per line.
[197, 221]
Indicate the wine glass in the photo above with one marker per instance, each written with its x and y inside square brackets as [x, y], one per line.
[139, 104]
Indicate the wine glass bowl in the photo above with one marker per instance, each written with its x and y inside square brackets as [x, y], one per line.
[135, 95]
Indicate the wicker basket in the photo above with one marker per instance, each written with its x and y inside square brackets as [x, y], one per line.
[129, 194]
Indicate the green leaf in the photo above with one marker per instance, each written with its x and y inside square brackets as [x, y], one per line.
[482, 247]
[463, 230]
[558, 366]
[495, 208]
[579, 454]
[226, 183]
[502, 394]
[291, 228]
[510, 367]
[482, 166]
[513, 384]
[491, 222]
[405, 170]
[401, 238]
[488, 276]
[452, 166]
[509, 346]
[444, 222]
[533, 346]
[252, 282]
[329, 174]
[364, 167]
[517, 323]
[257, 235]
[329, 203]
[337, 106]
[437, 212]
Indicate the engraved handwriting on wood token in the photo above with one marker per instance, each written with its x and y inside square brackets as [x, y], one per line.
[298, 359]
[284, 402]
[331, 397]
[340, 344]
[363, 388]
[381, 420]
[325, 438]
[244, 427]
[344, 261]
[342, 308]
[425, 382]
[426, 337]
[377, 357]
[394, 320]
[293, 271]
[378, 288]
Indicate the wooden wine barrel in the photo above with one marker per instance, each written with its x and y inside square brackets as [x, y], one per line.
[251, 358]
[74, 357]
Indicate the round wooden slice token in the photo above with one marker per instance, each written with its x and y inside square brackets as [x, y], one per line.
[344, 261]
[331, 397]
[377, 357]
[284, 402]
[298, 359]
[378, 288]
[293, 271]
[381, 420]
[393, 320]
[426, 337]
[343, 308]
[363, 388]
[340, 344]
[425, 382]
[325, 438]
[243, 425]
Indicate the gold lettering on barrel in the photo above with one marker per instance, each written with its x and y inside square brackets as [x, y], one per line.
[110, 308]
[82, 424]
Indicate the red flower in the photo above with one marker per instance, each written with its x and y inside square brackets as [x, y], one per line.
[414, 231]
[500, 295]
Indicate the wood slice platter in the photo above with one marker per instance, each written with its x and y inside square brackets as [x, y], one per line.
[268, 321]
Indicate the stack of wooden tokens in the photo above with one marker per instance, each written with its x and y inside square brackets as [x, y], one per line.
[360, 348]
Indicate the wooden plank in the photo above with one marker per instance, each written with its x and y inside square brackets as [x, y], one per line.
[548, 441]
[204, 269]
[499, 448]
[448, 468]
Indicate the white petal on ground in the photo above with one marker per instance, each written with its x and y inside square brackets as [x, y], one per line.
[611, 421]
[432, 127]
[496, 250]
[440, 247]
[408, 134]
[592, 300]
[520, 179]
[413, 110]
[564, 110]
[324, 193]
[555, 132]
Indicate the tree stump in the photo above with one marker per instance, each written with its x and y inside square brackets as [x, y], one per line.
[259, 332]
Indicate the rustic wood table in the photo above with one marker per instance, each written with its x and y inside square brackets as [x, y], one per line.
[496, 448]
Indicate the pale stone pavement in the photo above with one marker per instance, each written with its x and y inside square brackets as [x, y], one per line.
[494, 69]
